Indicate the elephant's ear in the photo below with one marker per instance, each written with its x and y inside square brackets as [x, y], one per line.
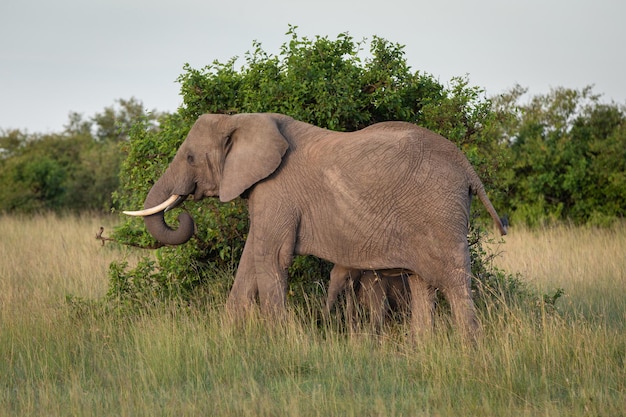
[257, 148]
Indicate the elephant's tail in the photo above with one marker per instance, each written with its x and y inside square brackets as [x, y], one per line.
[501, 223]
[478, 188]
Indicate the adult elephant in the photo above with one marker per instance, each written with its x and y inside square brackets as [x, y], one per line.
[392, 195]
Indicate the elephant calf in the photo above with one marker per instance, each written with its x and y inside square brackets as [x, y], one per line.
[379, 293]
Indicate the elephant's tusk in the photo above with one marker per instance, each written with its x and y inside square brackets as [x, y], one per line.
[156, 209]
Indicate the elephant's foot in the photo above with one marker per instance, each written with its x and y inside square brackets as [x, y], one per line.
[464, 312]
[242, 297]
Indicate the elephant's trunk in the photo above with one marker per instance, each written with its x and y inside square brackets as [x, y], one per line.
[155, 223]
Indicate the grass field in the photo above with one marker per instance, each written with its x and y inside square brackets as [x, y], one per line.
[173, 361]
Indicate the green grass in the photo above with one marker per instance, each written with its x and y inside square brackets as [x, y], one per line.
[188, 361]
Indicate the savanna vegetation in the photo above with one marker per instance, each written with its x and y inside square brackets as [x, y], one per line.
[61, 358]
[91, 329]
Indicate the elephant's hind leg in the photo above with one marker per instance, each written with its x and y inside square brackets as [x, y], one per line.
[461, 304]
[422, 307]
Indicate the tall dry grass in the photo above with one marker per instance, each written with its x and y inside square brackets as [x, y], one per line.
[47, 257]
[179, 361]
[589, 264]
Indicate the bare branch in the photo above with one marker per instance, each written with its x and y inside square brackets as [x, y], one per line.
[110, 239]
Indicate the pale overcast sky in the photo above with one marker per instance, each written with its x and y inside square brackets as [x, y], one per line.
[71, 55]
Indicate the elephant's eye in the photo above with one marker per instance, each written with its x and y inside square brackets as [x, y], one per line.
[190, 159]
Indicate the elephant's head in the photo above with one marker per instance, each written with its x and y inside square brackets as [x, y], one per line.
[221, 156]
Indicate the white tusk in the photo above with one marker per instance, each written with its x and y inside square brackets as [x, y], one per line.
[152, 210]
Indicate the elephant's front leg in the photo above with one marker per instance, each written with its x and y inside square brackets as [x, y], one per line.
[272, 292]
[272, 259]
[244, 292]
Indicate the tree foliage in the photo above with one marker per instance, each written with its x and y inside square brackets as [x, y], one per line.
[568, 157]
[75, 170]
[329, 83]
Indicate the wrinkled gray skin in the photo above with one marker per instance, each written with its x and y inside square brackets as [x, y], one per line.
[392, 195]
[378, 293]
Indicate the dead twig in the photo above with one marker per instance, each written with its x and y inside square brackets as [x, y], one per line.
[110, 239]
[103, 238]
